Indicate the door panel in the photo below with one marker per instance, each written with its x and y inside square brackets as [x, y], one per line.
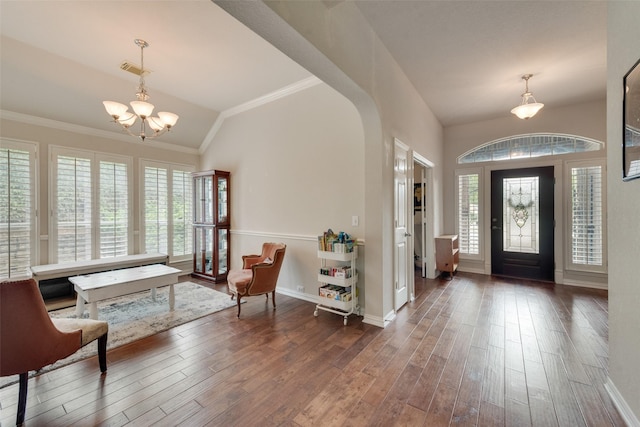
[402, 258]
[522, 223]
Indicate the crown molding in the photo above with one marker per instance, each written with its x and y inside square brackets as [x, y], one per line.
[255, 103]
[84, 130]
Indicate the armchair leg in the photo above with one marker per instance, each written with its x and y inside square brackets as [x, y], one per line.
[102, 353]
[238, 300]
[273, 299]
[22, 398]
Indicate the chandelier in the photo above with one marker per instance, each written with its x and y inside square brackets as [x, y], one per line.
[529, 107]
[142, 109]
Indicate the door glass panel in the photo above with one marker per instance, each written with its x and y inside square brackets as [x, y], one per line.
[222, 251]
[520, 222]
[222, 200]
[208, 267]
[208, 199]
[198, 250]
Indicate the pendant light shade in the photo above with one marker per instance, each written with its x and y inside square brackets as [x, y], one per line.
[529, 107]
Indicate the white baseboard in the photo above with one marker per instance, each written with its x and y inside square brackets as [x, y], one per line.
[625, 411]
[375, 321]
[297, 295]
[582, 284]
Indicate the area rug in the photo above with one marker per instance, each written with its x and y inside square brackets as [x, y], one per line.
[135, 316]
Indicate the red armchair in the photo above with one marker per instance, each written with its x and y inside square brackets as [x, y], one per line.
[259, 274]
[30, 339]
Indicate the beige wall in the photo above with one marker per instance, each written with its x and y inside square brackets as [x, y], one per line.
[624, 227]
[361, 69]
[296, 170]
[45, 136]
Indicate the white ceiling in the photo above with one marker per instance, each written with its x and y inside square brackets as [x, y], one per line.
[60, 59]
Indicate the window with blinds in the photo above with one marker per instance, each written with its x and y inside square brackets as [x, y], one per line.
[114, 209]
[17, 208]
[182, 213]
[73, 209]
[468, 214]
[156, 212]
[91, 204]
[586, 216]
[167, 201]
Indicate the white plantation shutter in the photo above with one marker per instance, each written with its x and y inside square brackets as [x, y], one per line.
[74, 209]
[156, 212]
[91, 205]
[587, 217]
[114, 209]
[17, 208]
[182, 213]
[468, 214]
[167, 204]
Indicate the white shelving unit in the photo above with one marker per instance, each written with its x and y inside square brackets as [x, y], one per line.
[338, 306]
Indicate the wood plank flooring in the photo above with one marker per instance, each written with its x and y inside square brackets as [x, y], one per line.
[475, 350]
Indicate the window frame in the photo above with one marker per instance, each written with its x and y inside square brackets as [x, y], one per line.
[463, 172]
[95, 158]
[32, 148]
[569, 264]
[170, 167]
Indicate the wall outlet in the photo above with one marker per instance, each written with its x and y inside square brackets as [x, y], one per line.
[354, 221]
[300, 288]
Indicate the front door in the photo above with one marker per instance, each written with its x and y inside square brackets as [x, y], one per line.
[522, 223]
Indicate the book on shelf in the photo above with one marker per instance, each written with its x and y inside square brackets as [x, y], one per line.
[342, 271]
[339, 243]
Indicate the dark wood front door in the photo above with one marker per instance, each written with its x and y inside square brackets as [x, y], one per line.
[522, 223]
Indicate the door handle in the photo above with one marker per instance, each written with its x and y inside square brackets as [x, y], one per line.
[495, 227]
[407, 234]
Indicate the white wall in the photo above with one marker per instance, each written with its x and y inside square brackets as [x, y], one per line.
[334, 42]
[296, 170]
[624, 227]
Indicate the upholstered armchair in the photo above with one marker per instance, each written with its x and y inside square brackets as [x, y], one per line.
[259, 274]
[30, 339]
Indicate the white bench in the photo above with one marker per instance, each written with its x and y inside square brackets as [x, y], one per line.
[92, 288]
[52, 273]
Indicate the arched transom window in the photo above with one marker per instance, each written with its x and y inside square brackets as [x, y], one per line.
[529, 146]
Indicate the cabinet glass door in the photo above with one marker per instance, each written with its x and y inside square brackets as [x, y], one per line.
[198, 200]
[207, 198]
[223, 263]
[223, 207]
[203, 247]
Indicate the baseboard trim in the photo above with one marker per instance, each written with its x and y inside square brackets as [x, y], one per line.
[297, 295]
[375, 321]
[581, 284]
[625, 411]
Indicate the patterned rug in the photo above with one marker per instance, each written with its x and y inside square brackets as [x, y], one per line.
[135, 316]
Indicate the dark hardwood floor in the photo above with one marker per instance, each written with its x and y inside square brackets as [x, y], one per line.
[475, 350]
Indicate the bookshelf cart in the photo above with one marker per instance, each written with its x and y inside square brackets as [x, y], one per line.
[338, 278]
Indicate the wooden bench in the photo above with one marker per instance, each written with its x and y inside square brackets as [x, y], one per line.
[56, 275]
[95, 287]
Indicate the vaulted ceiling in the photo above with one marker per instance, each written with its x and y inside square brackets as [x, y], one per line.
[61, 59]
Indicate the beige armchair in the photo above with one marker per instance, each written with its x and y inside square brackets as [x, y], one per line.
[259, 274]
[30, 339]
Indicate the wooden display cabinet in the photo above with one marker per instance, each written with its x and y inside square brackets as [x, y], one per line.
[211, 223]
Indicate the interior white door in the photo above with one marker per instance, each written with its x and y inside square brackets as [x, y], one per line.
[402, 255]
